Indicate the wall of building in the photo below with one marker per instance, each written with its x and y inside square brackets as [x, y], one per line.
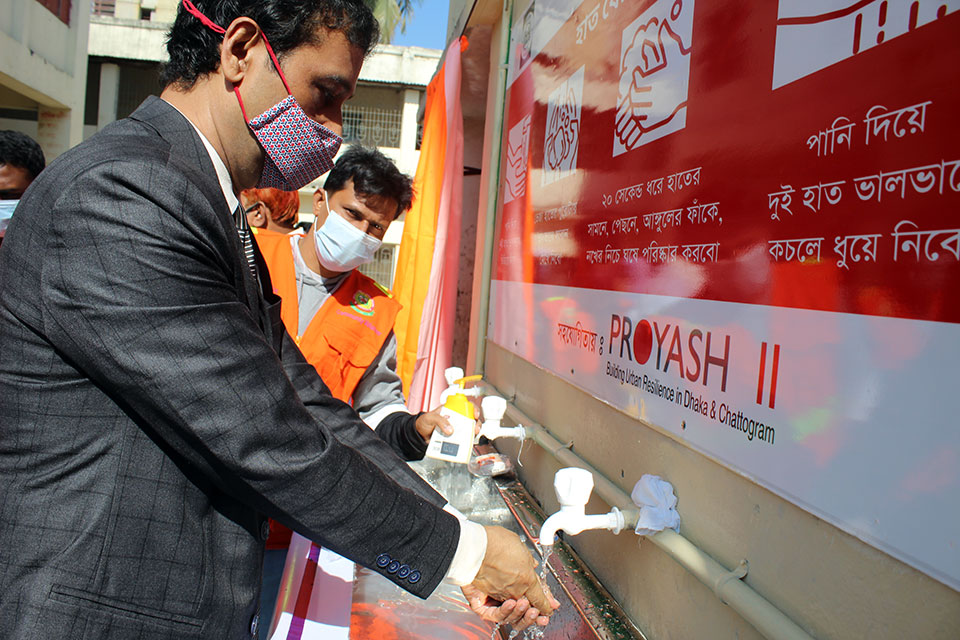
[43, 65]
[128, 39]
[17, 112]
[154, 10]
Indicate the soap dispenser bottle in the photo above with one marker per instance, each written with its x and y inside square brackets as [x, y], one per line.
[461, 413]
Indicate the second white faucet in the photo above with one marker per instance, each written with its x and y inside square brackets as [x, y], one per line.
[573, 487]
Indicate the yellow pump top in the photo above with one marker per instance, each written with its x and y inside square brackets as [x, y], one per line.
[461, 403]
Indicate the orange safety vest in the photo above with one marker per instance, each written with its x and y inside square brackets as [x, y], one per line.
[348, 331]
[342, 339]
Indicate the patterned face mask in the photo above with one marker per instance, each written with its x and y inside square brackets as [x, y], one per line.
[298, 148]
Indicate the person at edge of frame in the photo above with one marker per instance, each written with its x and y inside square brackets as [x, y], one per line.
[21, 161]
[271, 210]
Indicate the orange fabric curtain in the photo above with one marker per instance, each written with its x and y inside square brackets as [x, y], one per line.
[415, 260]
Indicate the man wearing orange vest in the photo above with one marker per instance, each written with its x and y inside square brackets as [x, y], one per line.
[341, 319]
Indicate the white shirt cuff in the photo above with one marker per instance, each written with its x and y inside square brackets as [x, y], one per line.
[452, 510]
[471, 549]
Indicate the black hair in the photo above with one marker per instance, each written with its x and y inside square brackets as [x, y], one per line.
[373, 174]
[20, 150]
[194, 48]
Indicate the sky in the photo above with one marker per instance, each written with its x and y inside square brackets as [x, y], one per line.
[428, 27]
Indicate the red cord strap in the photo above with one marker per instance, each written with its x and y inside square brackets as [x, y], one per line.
[196, 13]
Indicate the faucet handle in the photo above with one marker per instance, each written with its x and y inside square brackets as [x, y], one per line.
[452, 374]
[493, 408]
[573, 486]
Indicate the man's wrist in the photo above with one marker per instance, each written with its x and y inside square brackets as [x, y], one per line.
[416, 428]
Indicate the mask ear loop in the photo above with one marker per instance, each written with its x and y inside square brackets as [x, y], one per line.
[213, 26]
[196, 13]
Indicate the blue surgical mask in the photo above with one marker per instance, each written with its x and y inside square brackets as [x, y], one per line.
[6, 212]
[342, 246]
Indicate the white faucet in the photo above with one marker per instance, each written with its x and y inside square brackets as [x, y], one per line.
[452, 375]
[493, 408]
[573, 487]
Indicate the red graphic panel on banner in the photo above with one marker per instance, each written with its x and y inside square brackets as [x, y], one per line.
[737, 157]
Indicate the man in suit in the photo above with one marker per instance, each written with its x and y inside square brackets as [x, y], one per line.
[153, 412]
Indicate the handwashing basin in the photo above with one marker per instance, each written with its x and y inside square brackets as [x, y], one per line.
[587, 610]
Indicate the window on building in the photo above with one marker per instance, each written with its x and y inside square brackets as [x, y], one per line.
[27, 115]
[137, 81]
[59, 8]
[383, 265]
[91, 106]
[371, 126]
[103, 7]
[146, 14]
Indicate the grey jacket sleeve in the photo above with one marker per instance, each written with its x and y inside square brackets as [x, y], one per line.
[383, 451]
[379, 400]
[141, 295]
[380, 386]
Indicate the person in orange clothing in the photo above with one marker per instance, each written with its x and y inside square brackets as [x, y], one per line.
[341, 319]
[271, 210]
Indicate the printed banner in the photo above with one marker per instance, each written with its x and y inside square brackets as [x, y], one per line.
[741, 222]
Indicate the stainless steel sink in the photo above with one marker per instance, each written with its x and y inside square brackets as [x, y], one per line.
[587, 610]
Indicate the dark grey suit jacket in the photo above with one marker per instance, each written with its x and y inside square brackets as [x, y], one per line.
[153, 413]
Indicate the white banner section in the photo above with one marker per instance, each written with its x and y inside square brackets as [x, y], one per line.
[851, 417]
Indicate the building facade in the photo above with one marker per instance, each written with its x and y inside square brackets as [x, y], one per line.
[43, 68]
